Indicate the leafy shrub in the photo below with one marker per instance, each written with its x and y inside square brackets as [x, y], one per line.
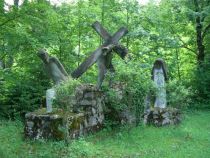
[202, 83]
[137, 84]
[64, 91]
[178, 95]
[19, 93]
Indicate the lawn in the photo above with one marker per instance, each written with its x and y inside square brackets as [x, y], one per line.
[189, 139]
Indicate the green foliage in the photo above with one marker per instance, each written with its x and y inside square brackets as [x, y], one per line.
[18, 96]
[67, 87]
[178, 95]
[64, 91]
[134, 84]
[202, 83]
[166, 30]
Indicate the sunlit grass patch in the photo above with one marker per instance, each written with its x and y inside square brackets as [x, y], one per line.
[189, 139]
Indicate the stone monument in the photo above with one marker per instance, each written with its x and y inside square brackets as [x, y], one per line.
[68, 123]
[85, 111]
[159, 76]
[56, 72]
[156, 110]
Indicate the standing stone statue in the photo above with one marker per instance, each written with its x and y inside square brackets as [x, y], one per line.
[56, 72]
[53, 67]
[159, 76]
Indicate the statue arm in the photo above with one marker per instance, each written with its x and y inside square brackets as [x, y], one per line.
[60, 66]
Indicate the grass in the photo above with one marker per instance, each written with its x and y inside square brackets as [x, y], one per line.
[189, 139]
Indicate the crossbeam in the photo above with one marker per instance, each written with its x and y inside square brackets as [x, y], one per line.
[110, 43]
[119, 49]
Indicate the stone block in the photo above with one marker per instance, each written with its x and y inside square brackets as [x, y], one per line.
[84, 114]
[162, 116]
[39, 125]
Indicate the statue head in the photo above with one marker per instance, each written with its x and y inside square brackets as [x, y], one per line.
[43, 55]
[158, 64]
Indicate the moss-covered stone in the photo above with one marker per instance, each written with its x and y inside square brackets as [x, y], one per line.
[60, 124]
[162, 116]
[39, 125]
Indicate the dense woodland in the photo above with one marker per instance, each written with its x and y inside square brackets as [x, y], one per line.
[177, 31]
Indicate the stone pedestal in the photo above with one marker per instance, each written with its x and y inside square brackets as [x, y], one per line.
[162, 116]
[87, 116]
[40, 124]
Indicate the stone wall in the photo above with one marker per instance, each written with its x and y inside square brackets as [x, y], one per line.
[84, 115]
[88, 109]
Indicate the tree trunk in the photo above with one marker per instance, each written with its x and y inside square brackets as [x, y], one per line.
[16, 2]
[79, 31]
[199, 40]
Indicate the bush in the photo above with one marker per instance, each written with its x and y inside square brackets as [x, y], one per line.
[20, 93]
[178, 95]
[64, 91]
[135, 84]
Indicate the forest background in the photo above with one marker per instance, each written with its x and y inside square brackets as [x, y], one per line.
[176, 30]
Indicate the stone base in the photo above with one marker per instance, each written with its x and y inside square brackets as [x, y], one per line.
[59, 125]
[162, 116]
[40, 125]
[85, 114]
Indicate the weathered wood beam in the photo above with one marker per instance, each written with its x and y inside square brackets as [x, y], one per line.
[101, 30]
[120, 33]
[91, 60]
[119, 49]
[108, 45]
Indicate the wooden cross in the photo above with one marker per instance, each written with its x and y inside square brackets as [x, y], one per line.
[111, 43]
[119, 49]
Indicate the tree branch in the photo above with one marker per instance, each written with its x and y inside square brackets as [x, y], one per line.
[184, 45]
[7, 21]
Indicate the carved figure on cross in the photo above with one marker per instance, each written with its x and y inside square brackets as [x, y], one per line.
[103, 55]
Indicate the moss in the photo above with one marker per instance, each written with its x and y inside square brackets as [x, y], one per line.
[76, 122]
[43, 111]
[57, 132]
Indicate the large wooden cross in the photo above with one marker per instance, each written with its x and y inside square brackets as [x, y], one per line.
[111, 43]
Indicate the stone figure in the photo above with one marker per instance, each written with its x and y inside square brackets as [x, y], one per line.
[53, 67]
[160, 115]
[56, 72]
[103, 55]
[159, 76]
[50, 96]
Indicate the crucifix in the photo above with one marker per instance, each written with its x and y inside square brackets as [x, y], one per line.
[103, 54]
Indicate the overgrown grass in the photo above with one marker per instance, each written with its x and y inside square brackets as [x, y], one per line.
[189, 139]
